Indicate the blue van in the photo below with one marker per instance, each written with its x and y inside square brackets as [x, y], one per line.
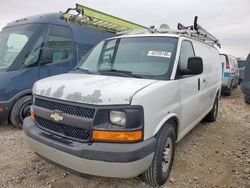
[34, 48]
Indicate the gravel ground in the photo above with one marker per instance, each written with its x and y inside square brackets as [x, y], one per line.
[211, 155]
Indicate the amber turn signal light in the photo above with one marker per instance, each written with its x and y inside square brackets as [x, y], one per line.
[99, 135]
[32, 115]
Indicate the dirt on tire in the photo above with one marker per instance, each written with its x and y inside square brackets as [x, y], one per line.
[211, 155]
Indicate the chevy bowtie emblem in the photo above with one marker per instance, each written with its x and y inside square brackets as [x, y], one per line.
[56, 116]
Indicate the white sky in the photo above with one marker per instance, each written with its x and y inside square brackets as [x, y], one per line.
[228, 20]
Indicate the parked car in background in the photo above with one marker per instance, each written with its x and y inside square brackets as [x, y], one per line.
[34, 48]
[245, 85]
[241, 65]
[121, 112]
[230, 73]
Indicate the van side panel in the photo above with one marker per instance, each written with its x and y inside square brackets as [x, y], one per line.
[212, 70]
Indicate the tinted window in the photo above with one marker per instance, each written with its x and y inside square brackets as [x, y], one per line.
[60, 41]
[13, 41]
[186, 52]
[35, 52]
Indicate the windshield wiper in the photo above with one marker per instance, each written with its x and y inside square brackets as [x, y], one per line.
[119, 72]
[81, 70]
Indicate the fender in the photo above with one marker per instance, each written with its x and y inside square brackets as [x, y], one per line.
[19, 95]
[164, 120]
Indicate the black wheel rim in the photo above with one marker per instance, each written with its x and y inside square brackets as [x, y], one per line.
[25, 111]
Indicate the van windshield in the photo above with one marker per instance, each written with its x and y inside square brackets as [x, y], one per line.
[12, 42]
[143, 57]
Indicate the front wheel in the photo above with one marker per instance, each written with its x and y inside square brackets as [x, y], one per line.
[20, 110]
[161, 166]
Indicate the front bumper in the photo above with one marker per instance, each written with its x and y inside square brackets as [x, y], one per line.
[100, 159]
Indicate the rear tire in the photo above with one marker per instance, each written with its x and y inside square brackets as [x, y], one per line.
[212, 115]
[229, 91]
[20, 110]
[161, 166]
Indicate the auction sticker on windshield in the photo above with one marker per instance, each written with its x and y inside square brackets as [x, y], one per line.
[159, 54]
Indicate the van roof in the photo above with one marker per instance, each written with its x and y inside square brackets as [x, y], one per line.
[147, 35]
[53, 18]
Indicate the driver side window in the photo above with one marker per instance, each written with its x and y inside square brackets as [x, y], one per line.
[186, 51]
[35, 52]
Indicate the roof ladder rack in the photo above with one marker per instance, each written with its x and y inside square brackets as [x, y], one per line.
[198, 32]
[98, 20]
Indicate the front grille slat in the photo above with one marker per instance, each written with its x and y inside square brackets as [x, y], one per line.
[68, 131]
[60, 129]
[66, 108]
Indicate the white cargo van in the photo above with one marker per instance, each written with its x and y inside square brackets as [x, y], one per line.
[230, 73]
[122, 110]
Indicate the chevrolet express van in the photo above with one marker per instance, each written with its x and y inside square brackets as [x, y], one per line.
[34, 48]
[120, 112]
[230, 73]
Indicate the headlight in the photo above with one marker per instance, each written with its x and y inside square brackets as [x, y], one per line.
[118, 118]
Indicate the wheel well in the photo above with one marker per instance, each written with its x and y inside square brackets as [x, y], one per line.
[174, 121]
[218, 94]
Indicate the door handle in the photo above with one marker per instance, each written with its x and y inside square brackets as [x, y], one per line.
[199, 84]
[204, 80]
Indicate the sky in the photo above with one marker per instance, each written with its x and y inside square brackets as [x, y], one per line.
[227, 20]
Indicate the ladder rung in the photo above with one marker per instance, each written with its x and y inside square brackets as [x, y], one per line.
[100, 20]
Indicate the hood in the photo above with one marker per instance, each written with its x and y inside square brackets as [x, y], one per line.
[91, 89]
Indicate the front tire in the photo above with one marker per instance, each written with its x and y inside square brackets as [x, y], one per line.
[161, 166]
[20, 110]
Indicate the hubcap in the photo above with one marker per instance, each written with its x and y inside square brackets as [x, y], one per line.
[167, 155]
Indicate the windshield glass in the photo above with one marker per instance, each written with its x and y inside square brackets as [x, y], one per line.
[12, 41]
[135, 56]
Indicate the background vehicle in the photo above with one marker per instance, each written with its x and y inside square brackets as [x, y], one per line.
[245, 85]
[127, 104]
[230, 73]
[34, 48]
[241, 65]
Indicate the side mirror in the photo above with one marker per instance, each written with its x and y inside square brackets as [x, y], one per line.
[46, 57]
[194, 66]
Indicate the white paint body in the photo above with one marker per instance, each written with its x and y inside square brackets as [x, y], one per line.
[160, 99]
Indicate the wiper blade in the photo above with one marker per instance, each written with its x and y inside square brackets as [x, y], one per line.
[81, 70]
[119, 72]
